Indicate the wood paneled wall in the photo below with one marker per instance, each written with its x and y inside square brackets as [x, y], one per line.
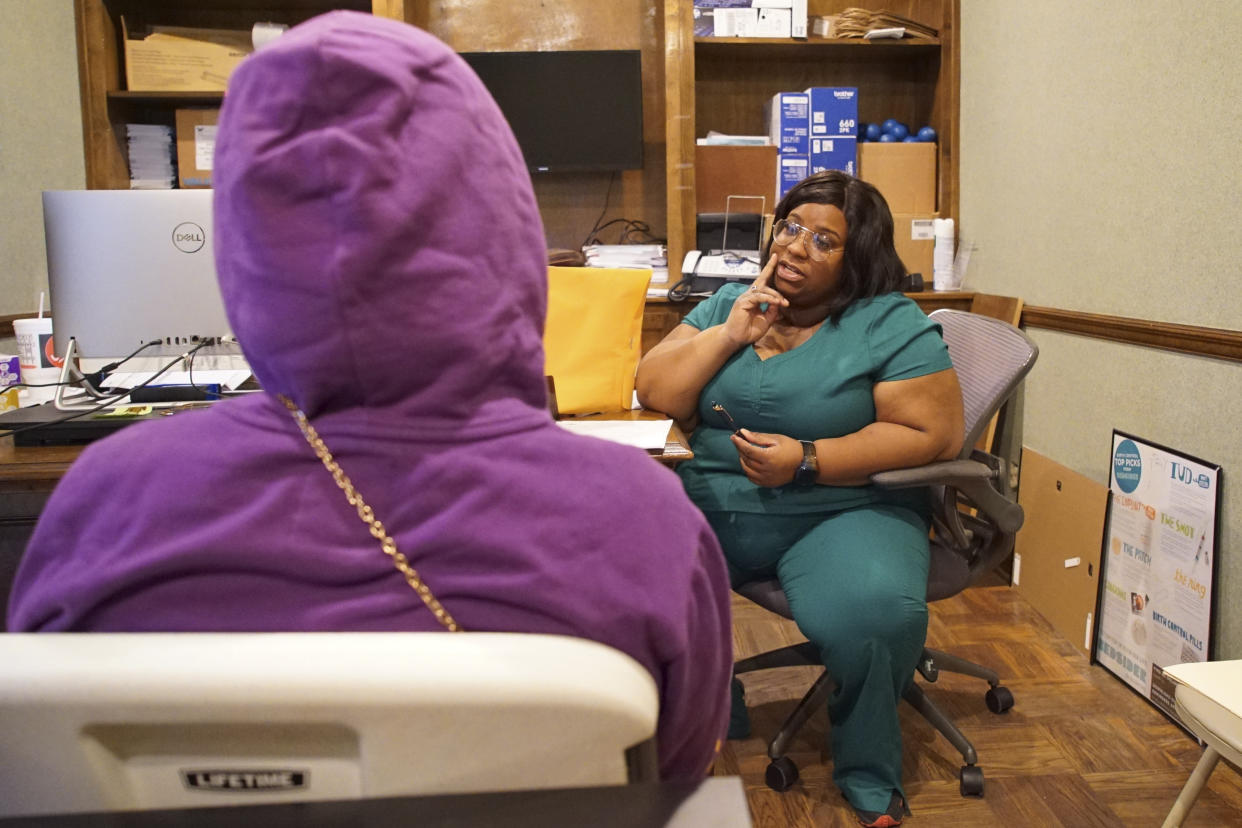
[570, 203]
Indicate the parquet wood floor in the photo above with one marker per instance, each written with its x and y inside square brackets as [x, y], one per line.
[1079, 748]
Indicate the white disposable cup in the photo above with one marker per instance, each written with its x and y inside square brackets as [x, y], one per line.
[37, 357]
[34, 343]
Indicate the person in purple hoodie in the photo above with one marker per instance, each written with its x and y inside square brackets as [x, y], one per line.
[382, 261]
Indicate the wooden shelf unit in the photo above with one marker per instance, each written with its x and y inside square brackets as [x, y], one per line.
[722, 83]
[106, 104]
[707, 83]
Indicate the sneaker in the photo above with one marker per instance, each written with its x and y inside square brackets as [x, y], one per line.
[739, 719]
[891, 817]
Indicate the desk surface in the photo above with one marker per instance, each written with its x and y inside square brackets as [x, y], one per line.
[33, 468]
[676, 448]
[717, 802]
[39, 468]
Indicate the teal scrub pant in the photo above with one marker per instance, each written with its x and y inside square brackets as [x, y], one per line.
[857, 585]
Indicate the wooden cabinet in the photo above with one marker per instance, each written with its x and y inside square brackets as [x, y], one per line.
[660, 317]
[722, 83]
[107, 105]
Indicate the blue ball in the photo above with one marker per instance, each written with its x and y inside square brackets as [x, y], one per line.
[911, 139]
[899, 131]
[927, 134]
[873, 132]
[888, 125]
[887, 138]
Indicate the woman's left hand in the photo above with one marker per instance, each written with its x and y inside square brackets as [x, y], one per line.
[767, 459]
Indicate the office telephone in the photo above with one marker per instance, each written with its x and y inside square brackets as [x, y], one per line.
[705, 272]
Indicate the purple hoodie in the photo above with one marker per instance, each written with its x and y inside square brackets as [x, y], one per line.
[382, 260]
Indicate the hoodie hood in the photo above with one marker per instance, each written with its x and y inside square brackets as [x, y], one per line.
[378, 240]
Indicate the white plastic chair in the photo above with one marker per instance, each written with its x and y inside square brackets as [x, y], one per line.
[105, 722]
[1208, 698]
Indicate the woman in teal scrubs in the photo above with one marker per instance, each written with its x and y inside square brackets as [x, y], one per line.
[799, 387]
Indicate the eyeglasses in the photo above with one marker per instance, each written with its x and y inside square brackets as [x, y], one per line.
[784, 232]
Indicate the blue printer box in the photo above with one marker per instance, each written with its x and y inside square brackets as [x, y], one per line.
[791, 167]
[788, 119]
[834, 110]
[834, 154]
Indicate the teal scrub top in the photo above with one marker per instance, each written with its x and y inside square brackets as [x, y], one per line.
[822, 388]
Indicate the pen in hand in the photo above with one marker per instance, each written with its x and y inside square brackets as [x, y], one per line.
[724, 415]
[729, 422]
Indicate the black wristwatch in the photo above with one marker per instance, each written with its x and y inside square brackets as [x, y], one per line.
[808, 469]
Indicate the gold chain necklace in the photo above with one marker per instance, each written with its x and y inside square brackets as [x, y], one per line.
[368, 516]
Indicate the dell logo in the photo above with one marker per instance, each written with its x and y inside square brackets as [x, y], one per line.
[188, 237]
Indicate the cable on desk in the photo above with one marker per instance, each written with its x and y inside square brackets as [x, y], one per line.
[112, 399]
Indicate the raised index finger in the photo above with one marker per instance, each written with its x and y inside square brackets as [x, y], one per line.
[765, 275]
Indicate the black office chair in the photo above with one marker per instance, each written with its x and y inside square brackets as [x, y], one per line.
[975, 519]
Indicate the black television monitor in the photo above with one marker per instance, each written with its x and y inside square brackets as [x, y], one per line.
[579, 111]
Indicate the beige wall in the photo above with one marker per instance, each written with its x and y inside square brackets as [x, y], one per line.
[40, 137]
[1101, 172]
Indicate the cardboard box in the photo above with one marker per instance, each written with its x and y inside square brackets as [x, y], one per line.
[180, 59]
[835, 153]
[196, 146]
[1056, 562]
[772, 23]
[797, 22]
[797, 14]
[915, 242]
[786, 115]
[790, 169]
[834, 111]
[904, 173]
[735, 22]
[750, 18]
[723, 170]
[704, 13]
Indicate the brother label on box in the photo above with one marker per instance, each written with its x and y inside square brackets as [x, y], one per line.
[834, 111]
[833, 154]
[787, 115]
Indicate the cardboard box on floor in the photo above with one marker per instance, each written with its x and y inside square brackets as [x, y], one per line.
[722, 171]
[181, 59]
[1056, 562]
[196, 146]
[904, 173]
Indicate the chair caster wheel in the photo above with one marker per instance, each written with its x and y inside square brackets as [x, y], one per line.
[999, 699]
[781, 774]
[970, 780]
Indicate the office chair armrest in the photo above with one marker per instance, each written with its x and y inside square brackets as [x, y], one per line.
[954, 473]
[972, 478]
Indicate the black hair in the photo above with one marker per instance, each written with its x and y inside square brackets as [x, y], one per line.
[870, 265]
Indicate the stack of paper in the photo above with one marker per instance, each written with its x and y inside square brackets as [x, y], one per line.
[718, 139]
[653, 257]
[855, 22]
[151, 157]
[651, 435]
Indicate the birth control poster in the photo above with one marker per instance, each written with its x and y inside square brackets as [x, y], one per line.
[1158, 567]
